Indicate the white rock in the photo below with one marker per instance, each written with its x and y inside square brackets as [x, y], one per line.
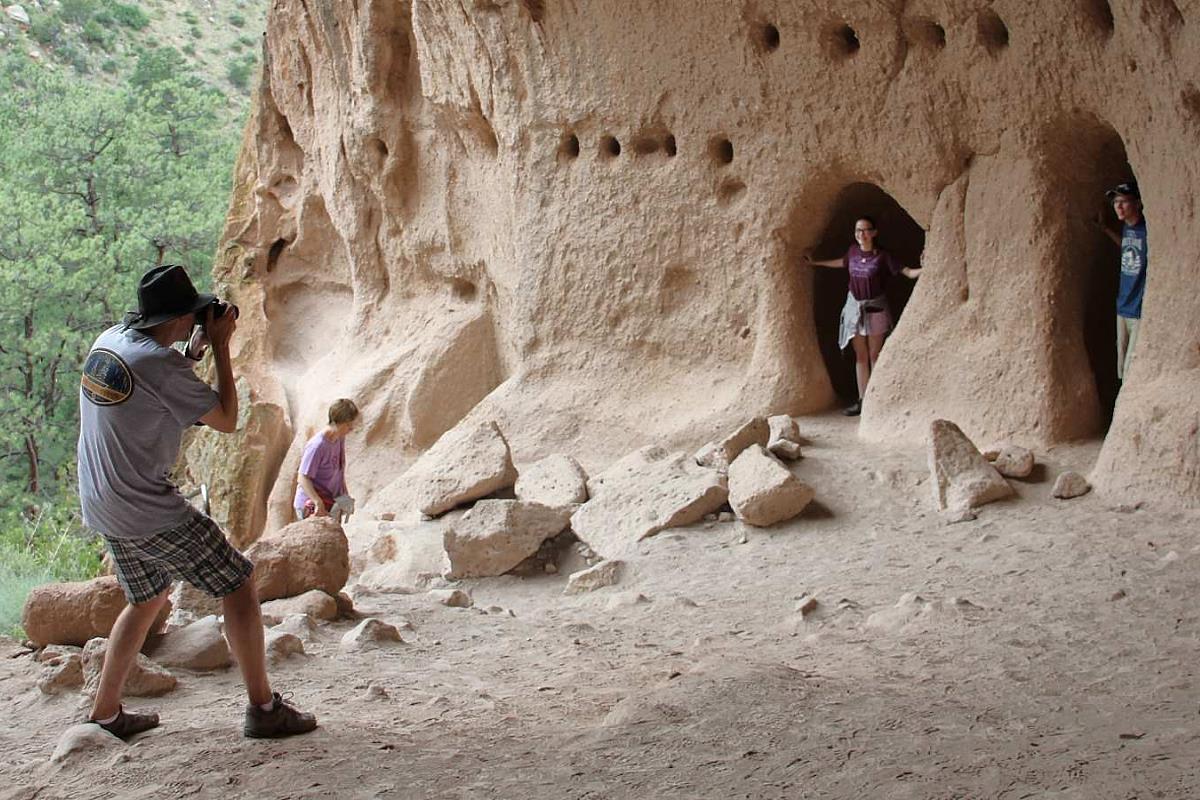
[1013, 461]
[199, 646]
[82, 738]
[281, 645]
[719, 455]
[466, 463]
[606, 573]
[1070, 484]
[497, 535]
[406, 559]
[61, 674]
[455, 598]
[643, 493]
[189, 604]
[301, 626]
[763, 491]
[17, 14]
[314, 603]
[555, 481]
[961, 476]
[371, 632]
[146, 679]
[784, 439]
[627, 600]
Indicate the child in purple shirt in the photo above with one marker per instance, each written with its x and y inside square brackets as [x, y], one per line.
[321, 480]
[866, 318]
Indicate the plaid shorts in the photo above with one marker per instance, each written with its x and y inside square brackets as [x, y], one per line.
[195, 551]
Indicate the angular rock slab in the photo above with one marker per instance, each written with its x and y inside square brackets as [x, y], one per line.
[61, 674]
[961, 476]
[643, 493]
[555, 481]
[406, 559]
[784, 440]
[371, 632]
[606, 573]
[465, 464]
[146, 679]
[199, 646]
[75, 613]
[497, 535]
[310, 554]
[763, 491]
[719, 455]
[314, 603]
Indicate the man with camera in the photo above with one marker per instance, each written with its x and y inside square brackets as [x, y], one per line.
[137, 397]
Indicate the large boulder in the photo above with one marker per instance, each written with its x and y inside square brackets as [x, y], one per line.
[555, 481]
[962, 478]
[497, 535]
[146, 678]
[720, 454]
[465, 464]
[198, 646]
[73, 613]
[311, 554]
[405, 559]
[763, 491]
[643, 493]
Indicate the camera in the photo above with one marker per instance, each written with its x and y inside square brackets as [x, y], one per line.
[219, 309]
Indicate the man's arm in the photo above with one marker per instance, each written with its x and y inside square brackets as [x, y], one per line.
[223, 418]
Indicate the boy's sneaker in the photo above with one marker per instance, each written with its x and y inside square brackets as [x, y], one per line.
[853, 411]
[129, 724]
[283, 719]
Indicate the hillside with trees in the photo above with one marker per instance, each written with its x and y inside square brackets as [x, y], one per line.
[118, 155]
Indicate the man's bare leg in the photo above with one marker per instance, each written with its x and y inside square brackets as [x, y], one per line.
[126, 639]
[244, 630]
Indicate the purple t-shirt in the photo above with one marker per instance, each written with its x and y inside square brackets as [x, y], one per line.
[324, 462]
[869, 272]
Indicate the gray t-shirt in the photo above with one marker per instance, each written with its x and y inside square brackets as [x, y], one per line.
[136, 398]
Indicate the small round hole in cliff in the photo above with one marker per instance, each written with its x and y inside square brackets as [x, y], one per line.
[841, 41]
[669, 146]
[730, 191]
[899, 234]
[568, 147]
[1100, 15]
[277, 248]
[720, 150]
[992, 32]
[610, 147]
[1189, 101]
[925, 32]
[463, 289]
[767, 37]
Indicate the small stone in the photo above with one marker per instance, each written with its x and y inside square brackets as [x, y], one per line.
[455, 598]
[763, 491]
[721, 454]
[375, 692]
[606, 573]
[61, 674]
[82, 738]
[371, 632]
[953, 516]
[17, 14]
[387, 516]
[299, 625]
[199, 646]
[627, 600]
[806, 605]
[726, 516]
[281, 645]
[551, 568]
[1013, 461]
[315, 603]
[345, 606]
[53, 652]
[1070, 484]
[784, 439]
[786, 449]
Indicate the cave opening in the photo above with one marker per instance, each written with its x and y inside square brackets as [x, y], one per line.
[899, 234]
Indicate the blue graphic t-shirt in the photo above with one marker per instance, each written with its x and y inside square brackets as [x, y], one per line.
[1134, 254]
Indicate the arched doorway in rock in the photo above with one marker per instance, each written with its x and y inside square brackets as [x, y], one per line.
[899, 234]
[1088, 158]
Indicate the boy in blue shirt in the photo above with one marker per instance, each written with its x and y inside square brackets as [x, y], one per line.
[1127, 204]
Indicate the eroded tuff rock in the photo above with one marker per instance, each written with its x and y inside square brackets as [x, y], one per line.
[146, 678]
[497, 535]
[311, 554]
[444, 210]
[721, 453]
[643, 493]
[74, 613]
[557, 481]
[961, 477]
[763, 491]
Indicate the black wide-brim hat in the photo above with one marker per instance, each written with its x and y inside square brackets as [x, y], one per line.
[164, 293]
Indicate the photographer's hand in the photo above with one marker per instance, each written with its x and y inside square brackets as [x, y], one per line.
[223, 418]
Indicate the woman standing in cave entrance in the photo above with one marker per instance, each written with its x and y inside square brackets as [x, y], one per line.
[866, 318]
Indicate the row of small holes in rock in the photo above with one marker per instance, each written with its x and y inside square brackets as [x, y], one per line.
[843, 39]
[720, 149]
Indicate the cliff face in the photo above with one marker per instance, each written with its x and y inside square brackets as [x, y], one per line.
[585, 220]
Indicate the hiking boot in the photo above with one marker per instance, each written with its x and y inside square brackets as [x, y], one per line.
[284, 719]
[852, 411]
[129, 724]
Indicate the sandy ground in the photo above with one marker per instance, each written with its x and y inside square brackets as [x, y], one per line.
[1022, 672]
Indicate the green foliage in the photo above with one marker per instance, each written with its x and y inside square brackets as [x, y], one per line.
[239, 71]
[189, 49]
[130, 16]
[190, 18]
[237, 20]
[76, 57]
[46, 29]
[95, 33]
[157, 65]
[195, 32]
[110, 66]
[96, 184]
[77, 12]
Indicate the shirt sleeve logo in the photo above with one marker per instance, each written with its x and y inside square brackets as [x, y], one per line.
[106, 379]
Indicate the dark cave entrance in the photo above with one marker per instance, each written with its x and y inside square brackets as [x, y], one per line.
[899, 234]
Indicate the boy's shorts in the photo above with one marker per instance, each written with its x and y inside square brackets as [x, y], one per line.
[195, 551]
